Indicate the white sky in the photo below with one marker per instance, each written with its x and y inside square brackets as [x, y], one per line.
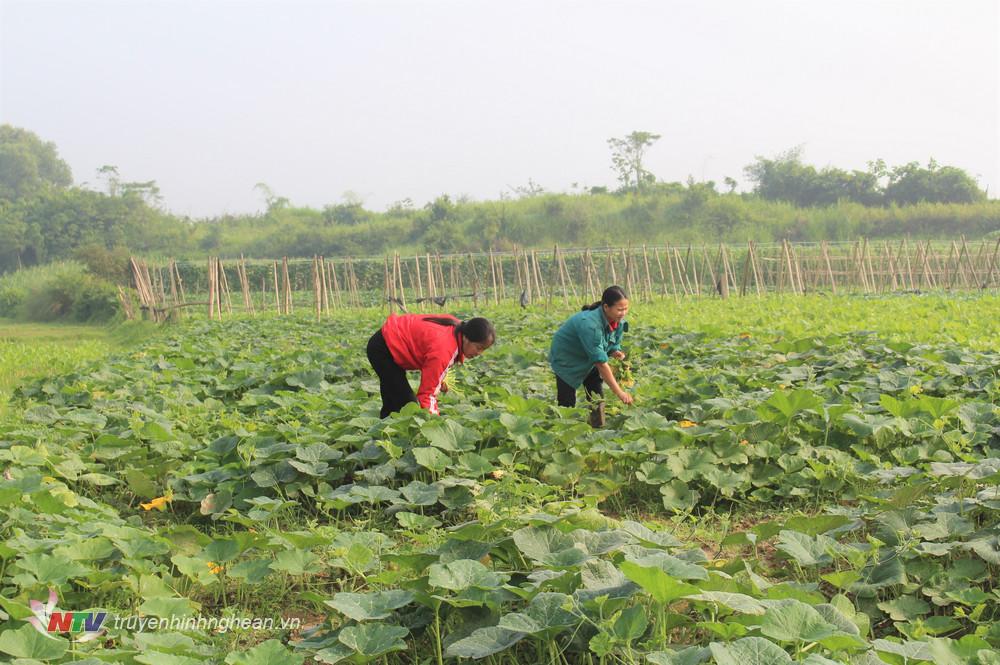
[415, 98]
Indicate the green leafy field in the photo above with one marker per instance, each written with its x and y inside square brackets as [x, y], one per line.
[801, 480]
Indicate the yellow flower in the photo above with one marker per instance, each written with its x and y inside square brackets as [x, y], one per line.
[498, 473]
[916, 390]
[664, 346]
[687, 423]
[781, 386]
[745, 335]
[214, 568]
[744, 442]
[159, 502]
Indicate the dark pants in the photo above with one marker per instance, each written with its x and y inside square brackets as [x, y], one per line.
[395, 389]
[566, 394]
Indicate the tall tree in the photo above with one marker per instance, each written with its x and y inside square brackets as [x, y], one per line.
[29, 165]
[627, 155]
[912, 183]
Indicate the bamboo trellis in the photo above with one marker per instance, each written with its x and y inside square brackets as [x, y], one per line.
[434, 282]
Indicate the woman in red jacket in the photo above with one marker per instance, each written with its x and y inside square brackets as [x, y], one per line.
[430, 344]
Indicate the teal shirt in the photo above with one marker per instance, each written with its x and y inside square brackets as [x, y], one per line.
[585, 339]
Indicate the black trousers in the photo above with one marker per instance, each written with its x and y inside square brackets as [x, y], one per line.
[593, 384]
[395, 389]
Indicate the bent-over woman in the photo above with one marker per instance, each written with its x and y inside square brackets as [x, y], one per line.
[428, 343]
[582, 347]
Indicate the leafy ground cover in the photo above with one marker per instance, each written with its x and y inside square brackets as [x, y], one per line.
[28, 350]
[801, 480]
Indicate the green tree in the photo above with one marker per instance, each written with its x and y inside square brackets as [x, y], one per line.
[29, 165]
[627, 156]
[911, 183]
[786, 178]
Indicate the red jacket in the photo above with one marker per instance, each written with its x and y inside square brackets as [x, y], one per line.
[417, 344]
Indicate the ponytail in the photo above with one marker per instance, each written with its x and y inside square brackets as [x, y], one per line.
[611, 295]
[477, 330]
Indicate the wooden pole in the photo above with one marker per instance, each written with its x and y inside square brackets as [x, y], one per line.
[993, 265]
[430, 277]
[277, 292]
[287, 285]
[211, 289]
[493, 279]
[420, 285]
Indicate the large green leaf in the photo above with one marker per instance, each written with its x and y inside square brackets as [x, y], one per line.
[792, 620]
[368, 606]
[749, 651]
[449, 435]
[549, 546]
[658, 584]
[271, 652]
[374, 639]
[784, 405]
[464, 574]
[546, 611]
[807, 550]
[734, 601]
[674, 566]
[484, 642]
[26, 642]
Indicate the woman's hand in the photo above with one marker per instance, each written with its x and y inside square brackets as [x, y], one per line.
[618, 355]
[444, 385]
[625, 397]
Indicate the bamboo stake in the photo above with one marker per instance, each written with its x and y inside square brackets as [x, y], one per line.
[993, 265]
[387, 297]
[225, 288]
[757, 276]
[277, 293]
[716, 286]
[540, 286]
[500, 275]
[335, 283]
[682, 276]
[690, 258]
[287, 285]
[659, 266]
[493, 279]
[324, 285]
[402, 289]
[968, 262]
[440, 275]
[430, 277]
[180, 283]
[948, 266]
[211, 290]
[317, 289]
[175, 313]
[728, 277]
[589, 270]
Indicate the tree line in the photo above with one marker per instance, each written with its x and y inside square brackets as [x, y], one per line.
[45, 217]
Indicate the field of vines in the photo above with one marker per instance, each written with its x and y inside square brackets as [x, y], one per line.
[801, 480]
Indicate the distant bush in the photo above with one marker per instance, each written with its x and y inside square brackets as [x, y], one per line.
[59, 291]
[109, 264]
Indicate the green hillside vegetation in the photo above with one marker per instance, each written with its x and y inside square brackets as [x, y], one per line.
[45, 218]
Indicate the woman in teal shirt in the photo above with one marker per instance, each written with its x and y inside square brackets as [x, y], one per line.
[581, 349]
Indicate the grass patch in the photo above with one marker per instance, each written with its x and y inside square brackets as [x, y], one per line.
[32, 350]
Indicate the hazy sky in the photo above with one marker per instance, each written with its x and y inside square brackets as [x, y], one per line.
[415, 98]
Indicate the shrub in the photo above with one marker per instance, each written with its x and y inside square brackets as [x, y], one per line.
[59, 291]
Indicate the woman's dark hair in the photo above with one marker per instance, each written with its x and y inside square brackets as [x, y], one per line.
[611, 295]
[477, 330]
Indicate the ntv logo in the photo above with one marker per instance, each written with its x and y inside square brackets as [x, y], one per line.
[48, 619]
